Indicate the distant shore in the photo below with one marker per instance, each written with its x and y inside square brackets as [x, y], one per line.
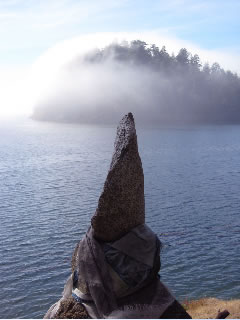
[209, 307]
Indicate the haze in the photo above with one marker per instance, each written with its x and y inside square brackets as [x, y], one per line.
[102, 85]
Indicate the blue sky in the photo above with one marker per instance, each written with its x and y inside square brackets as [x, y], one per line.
[28, 28]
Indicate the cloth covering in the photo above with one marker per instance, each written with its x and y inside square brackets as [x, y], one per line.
[119, 279]
[134, 259]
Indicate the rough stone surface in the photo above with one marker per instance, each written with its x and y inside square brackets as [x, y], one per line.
[121, 205]
[70, 309]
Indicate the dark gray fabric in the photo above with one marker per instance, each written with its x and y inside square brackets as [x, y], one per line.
[129, 270]
[149, 302]
[139, 243]
[133, 256]
[93, 272]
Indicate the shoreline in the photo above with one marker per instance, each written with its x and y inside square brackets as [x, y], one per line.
[209, 307]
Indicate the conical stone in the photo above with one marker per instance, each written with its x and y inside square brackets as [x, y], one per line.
[121, 205]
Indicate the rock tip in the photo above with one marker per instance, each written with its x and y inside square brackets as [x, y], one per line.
[130, 115]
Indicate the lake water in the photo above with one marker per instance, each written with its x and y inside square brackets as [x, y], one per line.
[52, 176]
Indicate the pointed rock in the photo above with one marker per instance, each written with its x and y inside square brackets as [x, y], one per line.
[121, 205]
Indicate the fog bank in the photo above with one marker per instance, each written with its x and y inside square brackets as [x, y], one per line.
[102, 85]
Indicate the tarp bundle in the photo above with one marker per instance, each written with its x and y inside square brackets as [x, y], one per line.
[120, 279]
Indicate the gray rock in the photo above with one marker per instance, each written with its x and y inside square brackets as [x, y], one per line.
[121, 205]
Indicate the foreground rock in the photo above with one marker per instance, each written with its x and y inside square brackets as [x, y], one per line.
[121, 205]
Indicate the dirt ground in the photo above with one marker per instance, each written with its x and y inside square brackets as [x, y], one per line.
[208, 308]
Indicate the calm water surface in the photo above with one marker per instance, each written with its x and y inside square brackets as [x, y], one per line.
[52, 176]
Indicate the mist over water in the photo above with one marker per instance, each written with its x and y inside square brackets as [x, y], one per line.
[100, 86]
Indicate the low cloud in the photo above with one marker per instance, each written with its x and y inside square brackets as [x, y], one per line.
[99, 86]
